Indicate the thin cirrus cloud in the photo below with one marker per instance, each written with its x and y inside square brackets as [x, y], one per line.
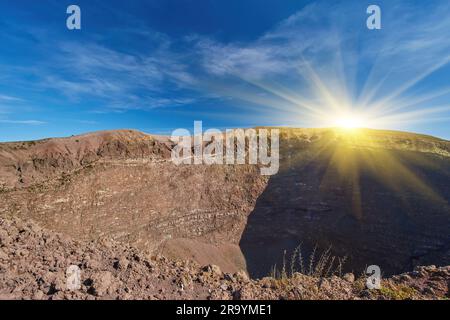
[25, 122]
[123, 81]
[7, 98]
[8, 105]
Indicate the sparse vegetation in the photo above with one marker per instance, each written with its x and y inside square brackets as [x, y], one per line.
[400, 293]
[325, 265]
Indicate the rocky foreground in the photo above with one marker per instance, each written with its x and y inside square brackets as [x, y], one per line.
[33, 264]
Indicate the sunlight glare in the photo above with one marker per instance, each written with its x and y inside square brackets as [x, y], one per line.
[350, 121]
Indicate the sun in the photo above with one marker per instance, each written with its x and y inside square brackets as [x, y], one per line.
[350, 121]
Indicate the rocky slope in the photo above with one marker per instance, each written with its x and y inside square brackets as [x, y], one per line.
[31, 162]
[376, 197]
[33, 264]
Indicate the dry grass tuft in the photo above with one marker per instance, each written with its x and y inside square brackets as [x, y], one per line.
[319, 265]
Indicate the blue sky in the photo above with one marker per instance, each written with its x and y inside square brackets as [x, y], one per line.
[159, 65]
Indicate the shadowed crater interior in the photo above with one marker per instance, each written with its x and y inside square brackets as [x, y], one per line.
[372, 206]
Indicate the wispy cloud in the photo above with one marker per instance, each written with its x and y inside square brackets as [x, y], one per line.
[24, 122]
[6, 98]
[123, 80]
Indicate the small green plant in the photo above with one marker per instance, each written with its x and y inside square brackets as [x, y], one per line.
[324, 266]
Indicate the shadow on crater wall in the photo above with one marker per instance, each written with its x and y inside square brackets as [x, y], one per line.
[388, 208]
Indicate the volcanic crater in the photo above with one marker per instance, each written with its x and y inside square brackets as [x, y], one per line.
[375, 197]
